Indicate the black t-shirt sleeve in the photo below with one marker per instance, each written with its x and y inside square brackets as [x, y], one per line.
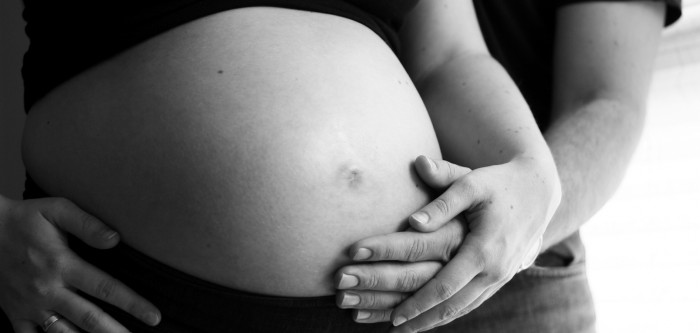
[673, 7]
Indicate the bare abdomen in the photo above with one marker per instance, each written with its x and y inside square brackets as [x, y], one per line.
[248, 148]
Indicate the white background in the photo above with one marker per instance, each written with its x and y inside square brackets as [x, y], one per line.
[644, 245]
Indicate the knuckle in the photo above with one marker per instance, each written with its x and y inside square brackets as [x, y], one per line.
[452, 243]
[408, 281]
[106, 288]
[369, 300]
[492, 276]
[53, 263]
[41, 289]
[90, 320]
[377, 316]
[61, 329]
[451, 170]
[444, 290]
[387, 252]
[87, 223]
[371, 281]
[500, 273]
[482, 257]
[447, 254]
[456, 316]
[416, 250]
[448, 311]
[468, 186]
[442, 205]
[415, 308]
[134, 307]
[61, 205]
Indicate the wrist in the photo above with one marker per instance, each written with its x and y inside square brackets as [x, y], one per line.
[546, 179]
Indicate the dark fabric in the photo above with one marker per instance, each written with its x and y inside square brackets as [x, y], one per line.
[189, 304]
[520, 35]
[537, 300]
[67, 37]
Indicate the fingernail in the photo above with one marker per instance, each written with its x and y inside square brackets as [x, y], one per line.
[362, 315]
[362, 254]
[348, 281]
[431, 163]
[109, 234]
[399, 321]
[350, 299]
[151, 318]
[420, 217]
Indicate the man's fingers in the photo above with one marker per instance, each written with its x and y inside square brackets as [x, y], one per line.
[98, 284]
[412, 246]
[70, 218]
[448, 310]
[386, 276]
[438, 173]
[461, 195]
[459, 272]
[371, 316]
[369, 300]
[477, 303]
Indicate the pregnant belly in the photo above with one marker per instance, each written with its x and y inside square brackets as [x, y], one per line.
[249, 148]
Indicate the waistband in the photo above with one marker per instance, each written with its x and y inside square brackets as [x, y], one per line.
[189, 304]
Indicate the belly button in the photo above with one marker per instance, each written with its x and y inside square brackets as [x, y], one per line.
[351, 176]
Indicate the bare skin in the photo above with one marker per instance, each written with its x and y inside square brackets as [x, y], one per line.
[230, 181]
[598, 117]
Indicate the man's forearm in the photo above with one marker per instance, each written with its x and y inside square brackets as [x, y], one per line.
[478, 113]
[592, 147]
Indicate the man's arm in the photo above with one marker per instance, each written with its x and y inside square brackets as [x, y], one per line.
[478, 113]
[604, 56]
[604, 60]
[483, 122]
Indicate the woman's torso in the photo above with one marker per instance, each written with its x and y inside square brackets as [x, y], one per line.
[249, 148]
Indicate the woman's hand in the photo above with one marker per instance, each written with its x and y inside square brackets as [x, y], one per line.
[39, 274]
[506, 208]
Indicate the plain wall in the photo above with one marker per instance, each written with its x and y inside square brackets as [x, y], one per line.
[13, 43]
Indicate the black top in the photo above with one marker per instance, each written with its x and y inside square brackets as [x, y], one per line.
[520, 35]
[67, 37]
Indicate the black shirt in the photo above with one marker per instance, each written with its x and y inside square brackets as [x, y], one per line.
[520, 35]
[67, 37]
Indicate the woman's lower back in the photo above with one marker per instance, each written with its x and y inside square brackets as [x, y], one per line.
[249, 148]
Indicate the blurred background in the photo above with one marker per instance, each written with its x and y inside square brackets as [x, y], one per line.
[643, 246]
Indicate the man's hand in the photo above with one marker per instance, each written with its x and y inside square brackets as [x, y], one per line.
[405, 262]
[506, 208]
[39, 274]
